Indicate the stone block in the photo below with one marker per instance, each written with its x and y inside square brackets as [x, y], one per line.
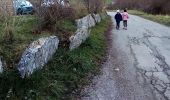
[37, 55]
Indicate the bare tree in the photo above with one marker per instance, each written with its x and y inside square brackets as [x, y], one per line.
[94, 6]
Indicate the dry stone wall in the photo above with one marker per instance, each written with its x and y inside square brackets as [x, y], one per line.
[97, 18]
[37, 55]
[80, 37]
[83, 32]
[86, 21]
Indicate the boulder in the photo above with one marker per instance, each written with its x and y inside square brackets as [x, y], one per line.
[103, 15]
[37, 55]
[167, 93]
[80, 36]
[83, 26]
[97, 18]
[86, 21]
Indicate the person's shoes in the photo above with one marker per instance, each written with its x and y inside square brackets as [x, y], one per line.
[125, 28]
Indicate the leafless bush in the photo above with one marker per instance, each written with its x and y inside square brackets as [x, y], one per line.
[94, 6]
[5, 10]
[159, 7]
[150, 6]
[79, 8]
[8, 34]
[110, 7]
[50, 17]
[49, 14]
[5, 15]
[126, 4]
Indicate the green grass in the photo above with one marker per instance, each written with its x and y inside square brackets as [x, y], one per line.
[162, 19]
[22, 37]
[108, 1]
[63, 75]
[67, 25]
[22, 27]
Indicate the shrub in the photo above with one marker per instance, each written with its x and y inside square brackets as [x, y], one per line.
[150, 6]
[50, 18]
[94, 6]
[5, 11]
[48, 15]
[8, 34]
[79, 7]
[5, 16]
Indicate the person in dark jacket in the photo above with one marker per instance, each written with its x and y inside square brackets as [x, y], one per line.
[118, 18]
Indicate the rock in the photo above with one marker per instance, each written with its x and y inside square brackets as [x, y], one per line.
[1, 67]
[167, 93]
[158, 96]
[103, 15]
[161, 76]
[117, 69]
[37, 55]
[149, 74]
[86, 21]
[83, 32]
[168, 72]
[160, 87]
[80, 36]
[97, 18]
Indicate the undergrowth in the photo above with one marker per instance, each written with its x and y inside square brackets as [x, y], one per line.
[63, 75]
[20, 34]
[23, 35]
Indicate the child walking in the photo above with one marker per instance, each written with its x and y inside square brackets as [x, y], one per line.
[118, 18]
[125, 17]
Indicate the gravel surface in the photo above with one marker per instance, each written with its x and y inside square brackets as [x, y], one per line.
[137, 66]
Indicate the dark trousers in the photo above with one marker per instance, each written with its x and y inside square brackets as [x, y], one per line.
[117, 24]
[125, 23]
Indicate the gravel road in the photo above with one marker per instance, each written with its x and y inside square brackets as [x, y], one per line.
[137, 66]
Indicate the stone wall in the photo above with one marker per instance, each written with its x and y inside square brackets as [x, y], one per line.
[37, 55]
[83, 32]
[97, 18]
[86, 21]
[103, 15]
[81, 35]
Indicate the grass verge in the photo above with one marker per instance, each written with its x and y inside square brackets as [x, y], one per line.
[21, 38]
[63, 75]
[23, 35]
[162, 19]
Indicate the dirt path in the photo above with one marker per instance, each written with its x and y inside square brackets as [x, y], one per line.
[138, 64]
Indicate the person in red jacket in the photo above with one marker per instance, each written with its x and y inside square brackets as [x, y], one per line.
[125, 17]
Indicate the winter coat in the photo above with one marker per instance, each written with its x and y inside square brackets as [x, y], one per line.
[125, 16]
[118, 17]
